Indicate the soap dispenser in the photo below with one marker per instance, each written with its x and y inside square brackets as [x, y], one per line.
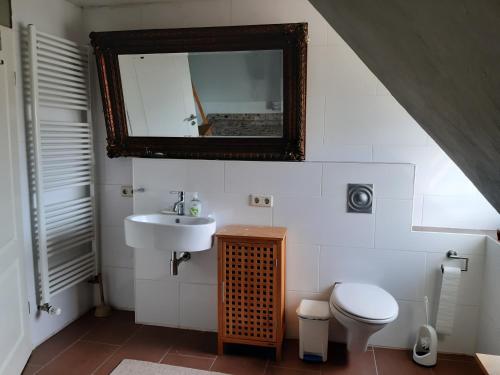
[195, 206]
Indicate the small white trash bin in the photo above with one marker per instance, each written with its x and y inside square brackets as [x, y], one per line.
[313, 330]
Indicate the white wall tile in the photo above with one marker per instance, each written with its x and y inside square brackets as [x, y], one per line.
[463, 338]
[302, 267]
[341, 153]
[198, 306]
[113, 208]
[115, 252]
[490, 299]
[153, 200]
[317, 70]
[400, 273]
[332, 37]
[197, 13]
[112, 18]
[272, 178]
[382, 121]
[401, 333]
[172, 174]
[119, 287]
[323, 221]
[451, 199]
[394, 232]
[235, 209]
[201, 268]
[157, 302]
[151, 264]
[116, 171]
[441, 211]
[315, 127]
[337, 70]
[488, 338]
[99, 123]
[280, 11]
[437, 174]
[417, 212]
[389, 180]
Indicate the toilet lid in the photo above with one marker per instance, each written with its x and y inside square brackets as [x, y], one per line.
[365, 301]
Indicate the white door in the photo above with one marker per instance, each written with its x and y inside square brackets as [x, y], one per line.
[158, 95]
[15, 342]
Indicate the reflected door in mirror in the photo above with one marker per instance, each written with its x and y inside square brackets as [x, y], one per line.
[158, 95]
[209, 94]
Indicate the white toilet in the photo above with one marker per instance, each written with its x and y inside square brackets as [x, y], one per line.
[362, 309]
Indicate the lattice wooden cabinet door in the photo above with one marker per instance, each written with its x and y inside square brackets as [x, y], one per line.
[251, 277]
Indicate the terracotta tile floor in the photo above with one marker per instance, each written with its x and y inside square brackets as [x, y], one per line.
[96, 346]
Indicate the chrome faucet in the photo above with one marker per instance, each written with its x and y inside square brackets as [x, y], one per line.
[179, 205]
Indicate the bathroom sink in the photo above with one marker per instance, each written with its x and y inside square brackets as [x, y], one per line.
[169, 232]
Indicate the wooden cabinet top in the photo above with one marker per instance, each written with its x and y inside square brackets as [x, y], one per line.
[252, 231]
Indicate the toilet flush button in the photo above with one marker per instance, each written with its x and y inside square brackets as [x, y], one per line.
[360, 198]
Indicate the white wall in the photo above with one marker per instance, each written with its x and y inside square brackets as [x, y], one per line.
[325, 244]
[60, 18]
[350, 118]
[489, 321]
[245, 82]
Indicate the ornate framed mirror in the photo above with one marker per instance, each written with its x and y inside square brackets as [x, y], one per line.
[235, 92]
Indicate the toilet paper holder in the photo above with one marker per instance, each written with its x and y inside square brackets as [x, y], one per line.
[452, 254]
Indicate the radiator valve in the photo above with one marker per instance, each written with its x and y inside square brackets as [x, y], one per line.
[51, 310]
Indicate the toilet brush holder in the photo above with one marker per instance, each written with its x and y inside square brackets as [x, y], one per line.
[425, 348]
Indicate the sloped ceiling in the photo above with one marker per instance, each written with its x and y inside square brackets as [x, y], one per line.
[441, 61]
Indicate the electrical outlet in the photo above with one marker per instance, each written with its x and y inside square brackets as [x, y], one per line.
[261, 200]
[127, 191]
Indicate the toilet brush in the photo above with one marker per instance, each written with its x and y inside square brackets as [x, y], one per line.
[425, 348]
[102, 310]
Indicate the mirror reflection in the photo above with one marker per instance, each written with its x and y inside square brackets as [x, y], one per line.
[204, 94]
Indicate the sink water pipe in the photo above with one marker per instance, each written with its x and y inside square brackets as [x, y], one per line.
[174, 261]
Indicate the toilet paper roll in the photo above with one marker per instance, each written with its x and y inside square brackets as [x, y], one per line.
[448, 300]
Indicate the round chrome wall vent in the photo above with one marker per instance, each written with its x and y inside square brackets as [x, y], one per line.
[360, 198]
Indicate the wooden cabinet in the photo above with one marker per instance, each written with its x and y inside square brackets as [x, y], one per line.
[251, 280]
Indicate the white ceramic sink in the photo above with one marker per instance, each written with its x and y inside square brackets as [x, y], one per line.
[169, 232]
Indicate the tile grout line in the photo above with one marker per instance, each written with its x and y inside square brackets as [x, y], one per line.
[100, 343]
[116, 350]
[64, 350]
[375, 360]
[106, 359]
[213, 363]
[165, 354]
[265, 367]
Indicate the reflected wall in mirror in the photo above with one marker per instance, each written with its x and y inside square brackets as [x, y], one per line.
[210, 94]
[235, 92]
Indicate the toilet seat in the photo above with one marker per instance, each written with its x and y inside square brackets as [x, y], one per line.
[364, 302]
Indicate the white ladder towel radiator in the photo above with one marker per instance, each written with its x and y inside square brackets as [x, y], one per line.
[61, 164]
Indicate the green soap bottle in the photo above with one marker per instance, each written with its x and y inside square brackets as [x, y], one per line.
[195, 207]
